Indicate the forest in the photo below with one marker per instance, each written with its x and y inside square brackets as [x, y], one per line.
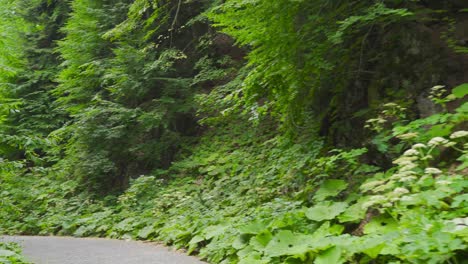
[242, 131]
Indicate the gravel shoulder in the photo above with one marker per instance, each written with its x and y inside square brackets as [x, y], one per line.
[67, 250]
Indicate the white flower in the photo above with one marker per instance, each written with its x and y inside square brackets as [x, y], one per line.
[419, 146]
[411, 152]
[407, 136]
[460, 228]
[408, 167]
[406, 179]
[406, 199]
[373, 200]
[450, 144]
[381, 120]
[408, 173]
[372, 184]
[402, 174]
[396, 176]
[443, 182]
[404, 160]
[459, 134]
[400, 191]
[460, 221]
[432, 171]
[437, 141]
[406, 163]
[384, 187]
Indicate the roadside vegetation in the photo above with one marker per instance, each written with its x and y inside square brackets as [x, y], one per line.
[243, 131]
[10, 253]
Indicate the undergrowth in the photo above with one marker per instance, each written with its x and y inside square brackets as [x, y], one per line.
[10, 253]
[246, 195]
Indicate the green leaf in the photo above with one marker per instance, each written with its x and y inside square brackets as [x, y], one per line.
[353, 213]
[214, 231]
[321, 232]
[247, 251]
[459, 200]
[331, 255]
[294, 260]
[326, 211]
[81, 231]
[336, 229]
[194, 243]
[252, 260]
[6, 253]
[375, 245]
[145, 232]
[253, 228]
[239, 243]
[440, 130]
[288, 243]
[464, 162]
[330, 188]
[381, 225]
[261, 240]
[196, 239]
[461, 90]
[374, 251]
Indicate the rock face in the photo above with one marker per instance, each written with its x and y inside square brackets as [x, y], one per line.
[426, 107]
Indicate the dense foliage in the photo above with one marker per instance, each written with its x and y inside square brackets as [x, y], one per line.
[11, 253]
[244, 131]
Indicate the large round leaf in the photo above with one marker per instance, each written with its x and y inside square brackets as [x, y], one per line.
[326, 211]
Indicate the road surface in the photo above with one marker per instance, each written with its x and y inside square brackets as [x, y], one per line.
[66, 250]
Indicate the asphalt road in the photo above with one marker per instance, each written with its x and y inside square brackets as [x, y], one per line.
[67, 250]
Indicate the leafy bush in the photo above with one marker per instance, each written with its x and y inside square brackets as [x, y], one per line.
[411, 213]
[10, 253]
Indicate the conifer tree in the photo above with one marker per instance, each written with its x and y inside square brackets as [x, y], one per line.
[35, 115]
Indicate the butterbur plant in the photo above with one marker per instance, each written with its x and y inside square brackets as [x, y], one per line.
[438, 95]
[11, 253]
[428, 202]
[390, 112]
[393, 132]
